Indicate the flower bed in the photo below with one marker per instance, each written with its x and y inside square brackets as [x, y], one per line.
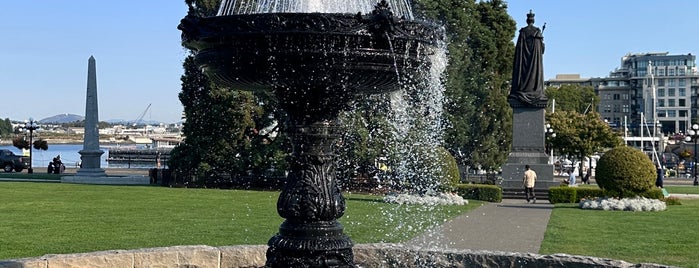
[625, 204]
[430, 200]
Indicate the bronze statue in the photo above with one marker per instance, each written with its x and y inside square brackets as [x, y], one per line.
[528, 70]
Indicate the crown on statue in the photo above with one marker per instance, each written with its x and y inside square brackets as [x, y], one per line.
[530, 15]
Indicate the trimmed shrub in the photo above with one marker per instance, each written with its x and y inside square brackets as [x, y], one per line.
[562, 194]
[653, 193]
[625, 172]
[484, 192]
[450, 170]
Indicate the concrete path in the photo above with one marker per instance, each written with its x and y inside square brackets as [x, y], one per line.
[512, 226]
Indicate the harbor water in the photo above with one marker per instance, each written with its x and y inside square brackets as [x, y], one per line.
[70, 156]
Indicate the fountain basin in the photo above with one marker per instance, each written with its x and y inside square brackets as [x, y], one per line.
[310, 51]
[365, 255]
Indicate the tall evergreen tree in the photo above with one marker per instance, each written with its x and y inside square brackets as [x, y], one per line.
[479, 119]
[227, 132]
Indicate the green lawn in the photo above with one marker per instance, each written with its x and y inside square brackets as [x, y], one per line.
[689, 189]
[33, 176]
[667, 237]
[47, 218]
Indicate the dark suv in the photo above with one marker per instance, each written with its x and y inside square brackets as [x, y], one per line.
[9, 161]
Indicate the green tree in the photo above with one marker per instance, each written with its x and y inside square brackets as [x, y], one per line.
[581, 99]
[5, 127]
[479, 119]
[367, 139]
[227, 132]
[581, 135]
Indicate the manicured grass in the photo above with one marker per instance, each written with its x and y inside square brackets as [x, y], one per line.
[24, 175]
[689, 189]
[666, 237]
[47, 218]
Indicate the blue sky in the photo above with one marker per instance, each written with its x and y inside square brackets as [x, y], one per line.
[46, 45]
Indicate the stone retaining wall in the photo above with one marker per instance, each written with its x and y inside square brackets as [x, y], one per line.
[366, 255]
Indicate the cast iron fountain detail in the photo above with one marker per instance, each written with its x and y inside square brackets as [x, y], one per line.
[315, 64]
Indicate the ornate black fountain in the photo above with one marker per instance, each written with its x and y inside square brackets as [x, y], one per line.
[315, 64]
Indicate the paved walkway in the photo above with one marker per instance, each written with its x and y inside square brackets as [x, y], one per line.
[512, 226]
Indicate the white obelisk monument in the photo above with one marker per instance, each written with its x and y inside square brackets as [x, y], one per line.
[91, 153]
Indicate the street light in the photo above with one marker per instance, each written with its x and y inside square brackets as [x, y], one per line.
[550, 134]
[31, 126]
[693, 135]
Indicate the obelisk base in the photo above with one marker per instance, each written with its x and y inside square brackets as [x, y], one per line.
[90, 165]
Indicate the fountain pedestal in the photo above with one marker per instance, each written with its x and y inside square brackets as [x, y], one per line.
[311, 201]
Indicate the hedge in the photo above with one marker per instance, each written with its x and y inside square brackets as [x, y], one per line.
[484, 192]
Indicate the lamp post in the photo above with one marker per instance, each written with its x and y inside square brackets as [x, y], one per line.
[30, 126]
[693, 135]
[550, 134]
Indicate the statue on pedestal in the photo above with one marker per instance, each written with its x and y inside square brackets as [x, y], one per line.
[528, 70]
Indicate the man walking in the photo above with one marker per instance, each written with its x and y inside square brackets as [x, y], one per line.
[529, 180]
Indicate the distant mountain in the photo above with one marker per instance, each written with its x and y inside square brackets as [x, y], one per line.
[62, 118]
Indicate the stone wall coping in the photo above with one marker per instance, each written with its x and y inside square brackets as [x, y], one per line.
[366, 255]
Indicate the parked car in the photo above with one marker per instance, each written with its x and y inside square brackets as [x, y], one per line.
[11, 162]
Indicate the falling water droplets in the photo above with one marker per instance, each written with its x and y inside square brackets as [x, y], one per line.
[400, 8]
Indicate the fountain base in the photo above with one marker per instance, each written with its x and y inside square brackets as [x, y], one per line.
[366, 255]
[310, 245]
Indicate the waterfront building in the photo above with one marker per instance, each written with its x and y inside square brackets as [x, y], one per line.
[645, 83]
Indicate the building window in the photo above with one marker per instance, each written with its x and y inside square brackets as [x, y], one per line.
[681, 72]
[607, 108]
[671, 113]
[682, 92]
[671, 103]
[682, 82]
[625, 108]
[671, 72]
[617, 96]
[661, 114]
[625, 96]
[617, 108]
[670, 92]
[607, 96]
[682, 102]
[661, 72]
[661, 92]
[683, 113]
[661, 82]
[671, 82]
[661, 103]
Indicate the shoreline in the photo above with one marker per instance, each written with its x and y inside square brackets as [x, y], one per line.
[75, 142]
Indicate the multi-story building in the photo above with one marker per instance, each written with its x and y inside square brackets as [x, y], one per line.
[628, 92]
[666, 84]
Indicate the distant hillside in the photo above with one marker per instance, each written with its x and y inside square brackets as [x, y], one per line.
[62, 118]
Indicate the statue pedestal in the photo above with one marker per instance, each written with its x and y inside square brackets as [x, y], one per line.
[528, 148]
